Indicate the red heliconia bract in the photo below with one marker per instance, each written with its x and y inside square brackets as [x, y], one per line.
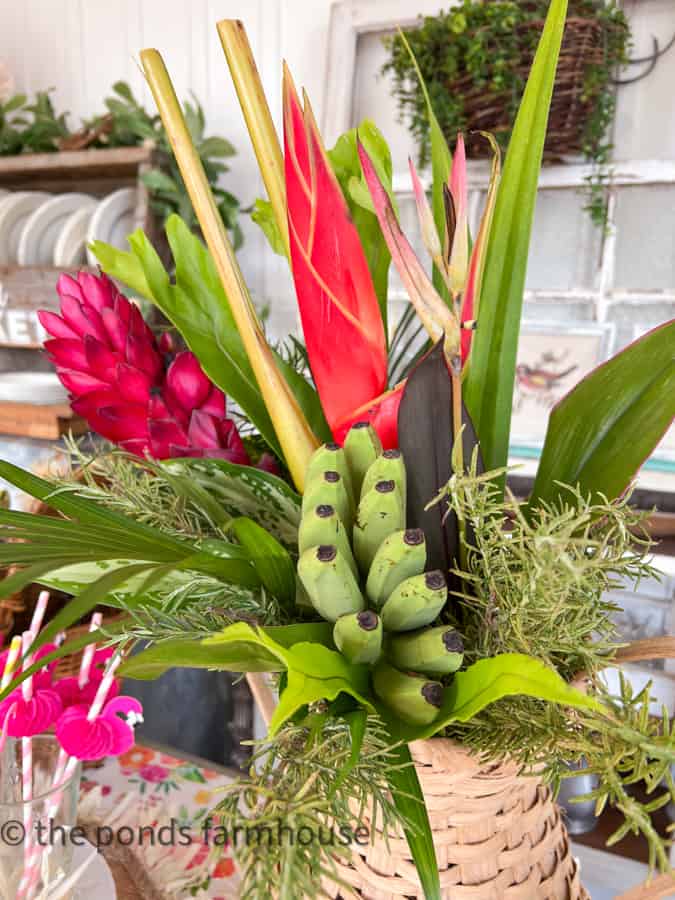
[129, 387]
[341, 320]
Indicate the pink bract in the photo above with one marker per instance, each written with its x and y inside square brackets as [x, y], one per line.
[131, 388]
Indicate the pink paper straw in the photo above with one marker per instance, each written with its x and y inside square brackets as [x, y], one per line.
[27, 780]
[97, 705]
[39, 613]
[83, 678]
[12, 659]
[88, 655]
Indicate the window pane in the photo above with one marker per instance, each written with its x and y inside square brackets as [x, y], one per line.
[645, 242]
[565, 243]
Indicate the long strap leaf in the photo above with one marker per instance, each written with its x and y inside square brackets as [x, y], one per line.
[409, 801]
[295, 437]
[79, 606]
[602, 431]
[491, 373]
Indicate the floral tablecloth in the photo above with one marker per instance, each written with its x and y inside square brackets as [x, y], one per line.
[150, 787]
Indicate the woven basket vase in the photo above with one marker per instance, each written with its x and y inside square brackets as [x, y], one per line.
[498, 836]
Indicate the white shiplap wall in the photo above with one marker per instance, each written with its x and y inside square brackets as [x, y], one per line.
[80, 47]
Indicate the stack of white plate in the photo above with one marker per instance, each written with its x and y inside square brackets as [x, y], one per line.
[37, 388]
[40, 229]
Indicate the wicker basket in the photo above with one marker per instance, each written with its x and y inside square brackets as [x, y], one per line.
[498, 836]
[583, 45]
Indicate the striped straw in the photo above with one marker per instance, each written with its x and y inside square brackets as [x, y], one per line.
[27, 780]
[66, 766]
[39, 613]
[89, 650]
[31, 851]
[83, 679]
[12, 659]
[97, 704]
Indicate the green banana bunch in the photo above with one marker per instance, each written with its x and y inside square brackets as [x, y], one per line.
[363, 570]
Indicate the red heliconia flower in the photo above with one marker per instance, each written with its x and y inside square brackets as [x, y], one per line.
[130, 387]
[341, 320]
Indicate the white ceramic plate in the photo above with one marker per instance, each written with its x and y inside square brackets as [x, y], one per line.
[42, 228]
[113, 220]
[70, 248]
[38, 388]
[97, 880]
[15, 209]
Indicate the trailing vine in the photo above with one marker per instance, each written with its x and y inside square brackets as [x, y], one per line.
[475, 57]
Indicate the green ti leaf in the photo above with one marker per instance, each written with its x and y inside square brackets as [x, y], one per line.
[602, 431]
[198, 307]
[264, 218]
[490, 378]
[344, 159]
[271, 561]
[486, 681]
[313, 671]
[241, 651]
[244, 491]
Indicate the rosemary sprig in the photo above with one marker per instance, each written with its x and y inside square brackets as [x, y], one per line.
[292, 784]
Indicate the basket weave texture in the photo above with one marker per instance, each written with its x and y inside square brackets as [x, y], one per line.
[498, 836]
[571, 105]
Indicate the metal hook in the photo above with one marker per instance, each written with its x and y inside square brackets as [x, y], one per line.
[652, 59]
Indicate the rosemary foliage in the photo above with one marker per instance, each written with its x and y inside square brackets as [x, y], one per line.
[307, 782]
[536, 584]
[134, 487]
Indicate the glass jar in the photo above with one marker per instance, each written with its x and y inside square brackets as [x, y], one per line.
[36, 837]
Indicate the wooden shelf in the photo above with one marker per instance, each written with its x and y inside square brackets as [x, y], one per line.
[47, 423]
[91, 171]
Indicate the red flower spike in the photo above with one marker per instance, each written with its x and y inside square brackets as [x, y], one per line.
[116, 372]
[340, 315]
[382, 413]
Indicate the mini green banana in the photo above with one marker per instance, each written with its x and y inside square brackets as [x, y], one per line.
[432, 651]
[416, 602]
[379, 514]
[362, 447]
[387, 467]
[329, 582]
[412, 697]
[330, 458]
[322, 525]
[399, 556]
[358, 636]
[329, 489]
[302, 600]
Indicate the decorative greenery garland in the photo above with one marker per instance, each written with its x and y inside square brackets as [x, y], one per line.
[489, 42]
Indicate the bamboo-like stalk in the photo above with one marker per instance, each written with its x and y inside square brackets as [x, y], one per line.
[295, 436]
[258, 118]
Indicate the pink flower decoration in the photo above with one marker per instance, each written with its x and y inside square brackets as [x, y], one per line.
[24, 718]
[72, 694]
[106, 735]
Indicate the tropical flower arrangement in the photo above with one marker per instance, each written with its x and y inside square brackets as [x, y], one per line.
[384, 576]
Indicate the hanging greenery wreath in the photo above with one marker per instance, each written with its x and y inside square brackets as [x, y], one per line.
[475, 58]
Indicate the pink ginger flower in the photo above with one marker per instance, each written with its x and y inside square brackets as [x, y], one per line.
[129, 387]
